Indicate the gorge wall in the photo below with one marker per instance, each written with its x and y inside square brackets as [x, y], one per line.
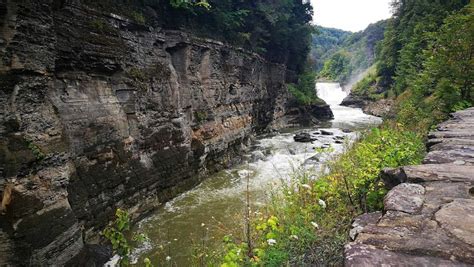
[98, 112]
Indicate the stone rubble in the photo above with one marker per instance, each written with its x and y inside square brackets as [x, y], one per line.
[428, 217]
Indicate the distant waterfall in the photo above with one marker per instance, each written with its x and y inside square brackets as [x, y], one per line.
[344, 117]
[332, 93]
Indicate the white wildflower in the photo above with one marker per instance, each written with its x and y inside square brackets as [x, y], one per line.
[271, 242]
[315, 225]
[202, 224]
[307, 186]
[295, 237]
[322, 203]
[168, 258]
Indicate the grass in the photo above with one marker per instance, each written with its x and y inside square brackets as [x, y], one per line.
[308, 220]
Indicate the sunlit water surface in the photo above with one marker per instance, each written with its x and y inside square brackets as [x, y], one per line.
[202, 216]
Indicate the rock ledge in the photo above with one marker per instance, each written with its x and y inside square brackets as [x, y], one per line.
[428, 218]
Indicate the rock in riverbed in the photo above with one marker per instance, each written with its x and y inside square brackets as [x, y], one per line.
[325, 132]
[304, 137]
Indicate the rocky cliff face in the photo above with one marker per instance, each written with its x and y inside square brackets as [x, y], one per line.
[98, 112]
[379, 108]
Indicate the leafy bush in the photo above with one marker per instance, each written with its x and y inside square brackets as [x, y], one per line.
[138, 17]
[305, 90]
[309, 219]
[117, 233]
[445, 83]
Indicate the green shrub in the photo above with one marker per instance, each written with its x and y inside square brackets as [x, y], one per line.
[35, 149]
[200, 116]
[305, 90]
[138, 17]
[309, 219]
[117, 233]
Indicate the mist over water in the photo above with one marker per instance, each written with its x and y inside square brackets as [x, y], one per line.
[202, 216]
[344, 117]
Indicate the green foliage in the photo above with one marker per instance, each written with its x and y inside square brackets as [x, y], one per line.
[137, 74]
[325, 41]
[337, 67]
[35, 149]
[189, 3]
[444, 82]
[315, 215]
[200, 116]
[408, 34]
[138, 17]
[305, 90]
[355, 54]
[117, 233]
[308, 219]
[367, 86]
[101, 26]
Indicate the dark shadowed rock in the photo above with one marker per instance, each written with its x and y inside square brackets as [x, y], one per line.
[99, 112]
[326, 132]
[304, 137]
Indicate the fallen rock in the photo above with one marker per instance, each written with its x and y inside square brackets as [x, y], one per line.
[257, 155]
[304, 137]
[457, 218]
[366, 255]
[428, 215]
[405, 197]
[325, 132]
[363, 220]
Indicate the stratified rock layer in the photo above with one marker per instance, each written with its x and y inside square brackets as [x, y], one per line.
[429, 213]
[98, 112]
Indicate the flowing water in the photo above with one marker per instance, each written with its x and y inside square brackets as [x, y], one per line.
[202, 216]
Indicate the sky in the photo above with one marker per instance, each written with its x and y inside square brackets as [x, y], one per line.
[349, 15]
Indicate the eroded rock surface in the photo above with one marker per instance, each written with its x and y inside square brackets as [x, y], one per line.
[98, 112]
[429, 213]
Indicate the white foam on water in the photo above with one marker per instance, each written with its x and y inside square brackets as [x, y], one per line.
[344, 117]
[223, 194]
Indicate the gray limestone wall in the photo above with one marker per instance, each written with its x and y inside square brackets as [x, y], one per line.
[98, 112]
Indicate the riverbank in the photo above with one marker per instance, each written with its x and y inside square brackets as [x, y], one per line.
[202, 216]
[428, 215]
[311, 217]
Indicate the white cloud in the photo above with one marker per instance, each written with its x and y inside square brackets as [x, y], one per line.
[349, 15]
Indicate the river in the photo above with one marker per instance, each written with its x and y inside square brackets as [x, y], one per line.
[202, 216]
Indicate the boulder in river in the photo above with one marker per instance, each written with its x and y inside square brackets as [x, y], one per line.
[257, 155]
[304, 137]
[325, 132]
[312, 160]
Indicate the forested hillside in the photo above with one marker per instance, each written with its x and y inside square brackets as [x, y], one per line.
[354, 55]
[325, 41]
[425, 61]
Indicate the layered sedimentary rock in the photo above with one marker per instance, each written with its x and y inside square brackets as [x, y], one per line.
[428, 215]
[379, 108]
[98, 112]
